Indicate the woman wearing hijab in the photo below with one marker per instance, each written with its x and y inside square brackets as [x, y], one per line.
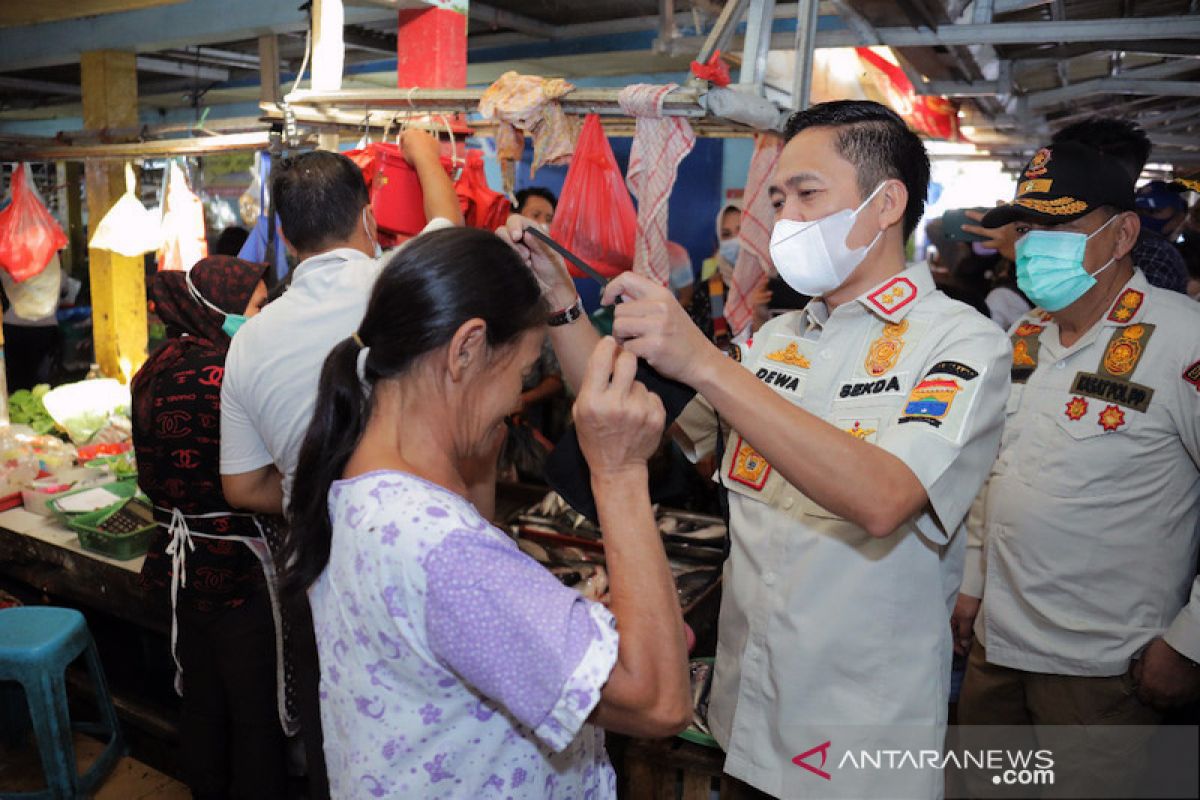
[213, 560]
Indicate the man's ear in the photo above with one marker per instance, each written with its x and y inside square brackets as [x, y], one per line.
[1128, 228]
[895, 201]
[467, 350]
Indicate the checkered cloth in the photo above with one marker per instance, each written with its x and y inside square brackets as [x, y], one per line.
[659, 144]
[758, 219]
[1161, 261]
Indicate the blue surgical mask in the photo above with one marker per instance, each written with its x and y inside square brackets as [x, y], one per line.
[729, 250]
[1050, 267]
[232, 323]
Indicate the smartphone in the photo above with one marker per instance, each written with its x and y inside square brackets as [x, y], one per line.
[952, 225]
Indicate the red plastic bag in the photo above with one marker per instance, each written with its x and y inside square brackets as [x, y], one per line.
[29, 236]
[595, 218]
[483, 207]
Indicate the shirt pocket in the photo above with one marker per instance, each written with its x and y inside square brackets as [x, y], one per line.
[1086, 433]
[744, 471]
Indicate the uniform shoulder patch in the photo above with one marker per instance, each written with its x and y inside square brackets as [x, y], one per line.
[893, 295]
[1192, 375]
[1126, 306]
[1028, 329]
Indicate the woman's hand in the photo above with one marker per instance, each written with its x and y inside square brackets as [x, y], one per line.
[651, 325]
[619, 422]
[550, 270]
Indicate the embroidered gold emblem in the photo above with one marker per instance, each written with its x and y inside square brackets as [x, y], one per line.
[1124, 352]
[1111, 418]
[859, 432]
[885, 351]
[1021, 357]
[1126, 306]
[790, 355]
[1059, 207]
[749, 467]
[1076, 408]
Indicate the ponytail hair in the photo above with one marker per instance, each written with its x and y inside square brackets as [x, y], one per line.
[426, 292]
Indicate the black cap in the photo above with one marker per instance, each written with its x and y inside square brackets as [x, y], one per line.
[1063, 182]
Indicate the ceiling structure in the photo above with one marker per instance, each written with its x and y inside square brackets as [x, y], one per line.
[1019, 68]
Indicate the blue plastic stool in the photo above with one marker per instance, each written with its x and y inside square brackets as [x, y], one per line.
[36, 645]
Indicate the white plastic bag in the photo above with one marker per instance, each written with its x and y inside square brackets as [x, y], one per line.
[250, 203]
[184, 242]
[37, 297]
[128, 228]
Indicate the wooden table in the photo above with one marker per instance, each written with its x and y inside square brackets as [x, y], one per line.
[45, 555]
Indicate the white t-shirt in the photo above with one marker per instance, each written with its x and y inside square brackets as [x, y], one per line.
[275, 360]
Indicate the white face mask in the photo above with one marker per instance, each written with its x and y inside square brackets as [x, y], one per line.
[374, 241]
[812, 257]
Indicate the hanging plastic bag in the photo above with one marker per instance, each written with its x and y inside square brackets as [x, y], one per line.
[37, 297]
[29, 236]
[184, 241]
[250, 203]
[595, 217]
[128, 228]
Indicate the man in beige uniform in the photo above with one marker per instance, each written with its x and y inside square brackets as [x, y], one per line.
[861, 432]
[1084, 541]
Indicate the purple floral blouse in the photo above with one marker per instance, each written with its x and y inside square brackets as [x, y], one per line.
[452, 664]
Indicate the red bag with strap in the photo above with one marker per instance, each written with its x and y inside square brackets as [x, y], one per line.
[595, 218]
[29, 236]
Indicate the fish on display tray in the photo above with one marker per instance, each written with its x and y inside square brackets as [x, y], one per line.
[571, 547]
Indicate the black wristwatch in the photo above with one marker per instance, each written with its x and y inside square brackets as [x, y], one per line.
[567, 315]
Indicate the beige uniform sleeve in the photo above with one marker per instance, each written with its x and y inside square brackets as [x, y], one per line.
[948, 431]
[695, 429]
[973, 573]
[1184, 632]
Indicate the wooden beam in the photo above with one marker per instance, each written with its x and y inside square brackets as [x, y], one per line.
[118, 282]
[16, 13]
[268, 69]
[203, 145]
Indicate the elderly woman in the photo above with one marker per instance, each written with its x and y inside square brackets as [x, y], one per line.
[452, 664]
[224, 633]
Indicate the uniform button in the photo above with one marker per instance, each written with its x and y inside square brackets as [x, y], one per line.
[769, 578]
[788, 503]
[1060, 365]
[827, 354]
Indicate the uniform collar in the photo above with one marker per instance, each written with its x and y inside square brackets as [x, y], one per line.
[892, 299]
[1130, 305]
[329, 258]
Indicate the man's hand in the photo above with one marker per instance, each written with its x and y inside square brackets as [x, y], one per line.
[420, 147]
[550, 270]
[650, 324]
[619, 422]
[1003, 239]
[962, 622]
[1164, 678]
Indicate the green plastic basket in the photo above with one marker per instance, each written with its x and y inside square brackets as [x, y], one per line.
[121, 546]
[125, 490]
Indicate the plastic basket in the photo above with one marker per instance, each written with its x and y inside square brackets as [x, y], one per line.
[123, 489]
[122, 546]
